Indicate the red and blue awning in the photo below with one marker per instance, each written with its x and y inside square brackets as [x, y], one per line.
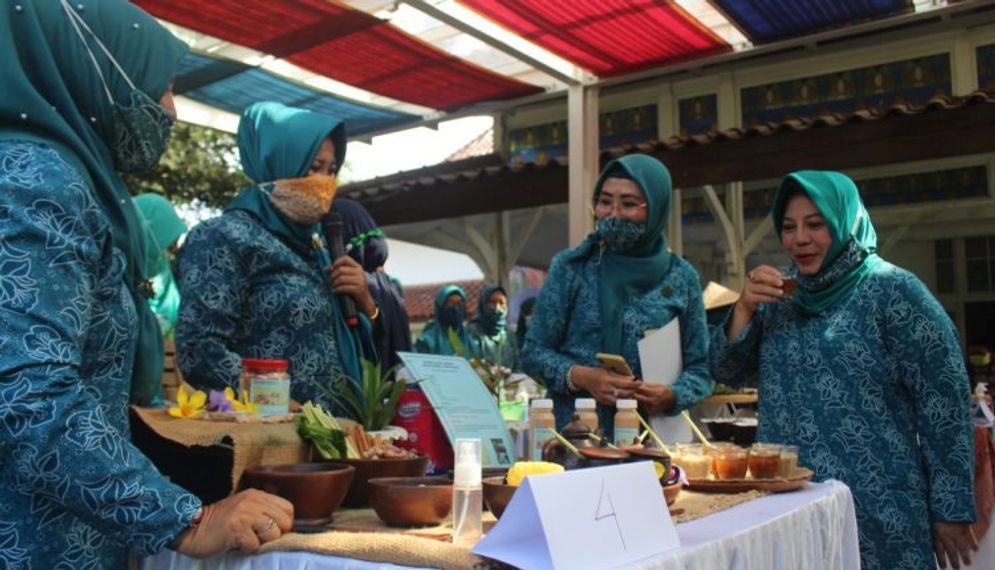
[403, 78]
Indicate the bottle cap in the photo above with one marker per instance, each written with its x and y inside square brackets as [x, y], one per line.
[467, 471]
[625, 404]
[542, 403]
[585, 404]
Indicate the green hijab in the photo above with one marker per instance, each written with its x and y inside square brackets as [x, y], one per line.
[52, 95]
[853, 253]
[162, 227]
[622, 276]
[277, 142]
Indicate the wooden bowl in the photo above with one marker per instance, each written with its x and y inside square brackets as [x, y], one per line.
[411, 501]
[497, 494]
[367, 469]
[315, 489]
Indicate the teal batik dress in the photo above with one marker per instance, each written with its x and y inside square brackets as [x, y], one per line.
[74, 492]
[566, 330]
[874, 393]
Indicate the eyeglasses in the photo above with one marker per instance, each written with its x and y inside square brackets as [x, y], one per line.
[626, 206]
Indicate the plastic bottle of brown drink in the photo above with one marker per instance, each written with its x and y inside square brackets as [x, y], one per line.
[626, 422]
[542, 422]
[587, 412]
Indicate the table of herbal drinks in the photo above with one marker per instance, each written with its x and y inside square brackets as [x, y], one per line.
[813, 528]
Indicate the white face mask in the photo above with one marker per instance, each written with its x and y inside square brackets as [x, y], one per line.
[141, 128]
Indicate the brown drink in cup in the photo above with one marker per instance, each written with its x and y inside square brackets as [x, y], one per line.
[789, 286]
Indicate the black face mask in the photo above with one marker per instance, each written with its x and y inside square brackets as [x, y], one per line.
[452, 316]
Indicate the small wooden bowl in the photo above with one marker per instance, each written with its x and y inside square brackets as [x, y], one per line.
[497, 494]
[411, 501]
[366, 469]
[315, 489]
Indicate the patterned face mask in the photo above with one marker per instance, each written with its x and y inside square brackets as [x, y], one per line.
[141, 128]
[304, 200]
[620, 235]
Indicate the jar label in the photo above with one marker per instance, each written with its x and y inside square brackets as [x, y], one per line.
[270, 395]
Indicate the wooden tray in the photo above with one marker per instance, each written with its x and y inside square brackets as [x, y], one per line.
[779, 485]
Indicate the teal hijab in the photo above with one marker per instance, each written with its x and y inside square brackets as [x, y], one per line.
[277, 142]
[487, 319]
[52, 95]
[853, 253]
[435, 336]
[162, 227]
[628, 274]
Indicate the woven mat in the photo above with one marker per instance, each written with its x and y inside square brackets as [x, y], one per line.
[253, 444]
[358, 533]
[698, 505]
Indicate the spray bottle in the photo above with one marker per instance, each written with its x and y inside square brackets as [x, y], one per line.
[467, 494]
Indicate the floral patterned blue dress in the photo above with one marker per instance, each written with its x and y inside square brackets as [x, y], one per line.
[74, 492]
[247, 293]
[566, 330]
[873, 391]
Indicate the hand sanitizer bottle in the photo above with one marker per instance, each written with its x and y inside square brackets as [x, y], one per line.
[467, 494]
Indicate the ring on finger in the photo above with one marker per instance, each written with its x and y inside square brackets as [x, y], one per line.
[614, 392]
[267, 527]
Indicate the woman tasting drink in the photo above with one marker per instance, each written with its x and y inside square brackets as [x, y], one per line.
[861, 369]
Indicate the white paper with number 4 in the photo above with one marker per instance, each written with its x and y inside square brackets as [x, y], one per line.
[602, 517]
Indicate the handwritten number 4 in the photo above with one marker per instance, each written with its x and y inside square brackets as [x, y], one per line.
[606, 509]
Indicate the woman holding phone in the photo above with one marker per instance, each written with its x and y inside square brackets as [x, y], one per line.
[605, 294]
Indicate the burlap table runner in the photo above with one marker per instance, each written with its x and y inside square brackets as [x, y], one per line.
[358, 533]
[253, 444]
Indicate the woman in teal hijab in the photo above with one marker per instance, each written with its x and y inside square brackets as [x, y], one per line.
[489, 335]
[163, 228]
[258, 281]
[602, 295]
[861, 369]
[86, 93]
[450, 314]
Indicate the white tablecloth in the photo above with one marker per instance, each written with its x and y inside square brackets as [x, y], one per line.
[814, 528]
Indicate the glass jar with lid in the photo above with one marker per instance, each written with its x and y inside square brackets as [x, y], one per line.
[268, 384]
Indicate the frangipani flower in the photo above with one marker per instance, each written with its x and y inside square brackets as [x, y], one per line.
[218, 402]
[189, 405]
[243, 405]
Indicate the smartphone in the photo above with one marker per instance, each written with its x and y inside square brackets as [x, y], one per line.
[614, 363]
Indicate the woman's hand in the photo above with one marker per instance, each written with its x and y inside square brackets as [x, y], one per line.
[243, 521]
[764, 284]
[953, 541]
[605, 386]
[347, 276]
[655, 398]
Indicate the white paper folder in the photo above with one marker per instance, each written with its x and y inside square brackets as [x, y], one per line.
[661, 363]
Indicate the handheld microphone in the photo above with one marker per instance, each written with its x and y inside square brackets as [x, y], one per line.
[332, 226]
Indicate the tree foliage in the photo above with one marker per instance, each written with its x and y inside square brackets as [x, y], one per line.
[200, 164]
